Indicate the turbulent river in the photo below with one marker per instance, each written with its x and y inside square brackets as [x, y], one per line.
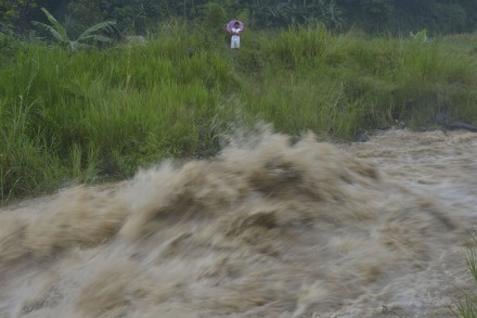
[269, 228]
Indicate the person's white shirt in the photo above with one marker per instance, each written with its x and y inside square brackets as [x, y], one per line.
[235, 43]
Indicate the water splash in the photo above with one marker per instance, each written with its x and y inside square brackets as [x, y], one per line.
[268, 228]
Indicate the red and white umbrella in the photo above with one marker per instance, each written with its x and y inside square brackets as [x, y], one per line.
[232, 24]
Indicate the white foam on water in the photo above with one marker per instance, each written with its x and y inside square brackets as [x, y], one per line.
[269, 228]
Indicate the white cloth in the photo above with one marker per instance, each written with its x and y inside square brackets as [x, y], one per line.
[235, 43]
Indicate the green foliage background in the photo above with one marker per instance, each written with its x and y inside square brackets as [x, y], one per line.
[140, 16]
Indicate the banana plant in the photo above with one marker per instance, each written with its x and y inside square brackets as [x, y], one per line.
[94, 34]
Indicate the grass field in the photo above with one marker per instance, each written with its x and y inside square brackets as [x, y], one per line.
[98, 115]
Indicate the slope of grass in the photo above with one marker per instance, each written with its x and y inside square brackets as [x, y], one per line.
[96, 115]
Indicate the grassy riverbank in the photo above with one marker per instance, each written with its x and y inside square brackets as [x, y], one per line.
[99, 115]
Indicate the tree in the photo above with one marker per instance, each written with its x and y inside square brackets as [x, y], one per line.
[133, 16]
[17, 13]
[91, 35]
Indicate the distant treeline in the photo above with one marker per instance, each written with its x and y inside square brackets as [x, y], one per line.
[141, 16]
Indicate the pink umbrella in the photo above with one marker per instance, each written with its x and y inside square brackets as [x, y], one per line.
[232, 23]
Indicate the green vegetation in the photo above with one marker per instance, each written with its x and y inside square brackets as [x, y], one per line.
[467, 308]
[96, 115]
[91, 35]
[141, 16]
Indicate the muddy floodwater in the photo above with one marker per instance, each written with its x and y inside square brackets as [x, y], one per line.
[268, 228]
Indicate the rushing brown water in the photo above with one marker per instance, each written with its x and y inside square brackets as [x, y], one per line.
[267, 229]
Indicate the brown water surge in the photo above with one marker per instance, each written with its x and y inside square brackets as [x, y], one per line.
[266, 229]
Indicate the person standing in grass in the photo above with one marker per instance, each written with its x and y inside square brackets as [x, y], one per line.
[235, 28]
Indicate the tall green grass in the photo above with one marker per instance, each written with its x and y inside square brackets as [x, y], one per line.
[99, 114]
[467, 306]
